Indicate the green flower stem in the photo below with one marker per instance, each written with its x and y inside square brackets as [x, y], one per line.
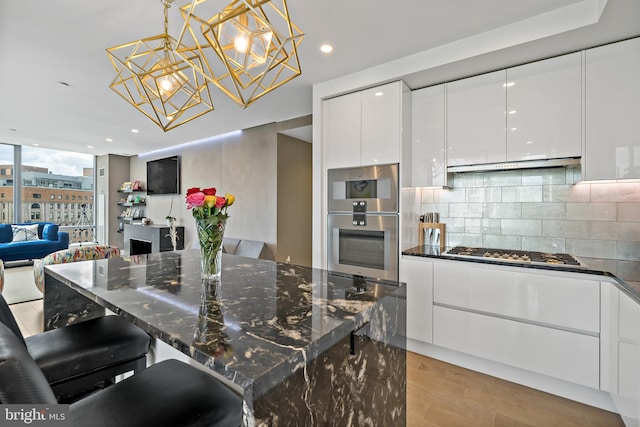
[210, 234]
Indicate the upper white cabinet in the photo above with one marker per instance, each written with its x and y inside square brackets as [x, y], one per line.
[367, 127]
[476, 120]
[428, 161]
[529, 112]
[544, 109]
[342, 122]
[612, 148]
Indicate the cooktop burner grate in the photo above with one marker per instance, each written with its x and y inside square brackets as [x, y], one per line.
[515, 255]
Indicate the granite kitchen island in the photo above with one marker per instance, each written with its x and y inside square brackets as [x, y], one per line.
[304, 346]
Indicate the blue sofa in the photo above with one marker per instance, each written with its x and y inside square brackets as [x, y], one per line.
[49, 240]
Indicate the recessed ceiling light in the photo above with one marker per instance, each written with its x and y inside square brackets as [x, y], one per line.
[134, 131]
[89, 146]
[109, 140]
[378, 93]
[36, 145]
[326, 48]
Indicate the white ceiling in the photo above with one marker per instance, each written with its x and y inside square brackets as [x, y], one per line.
[43, 43]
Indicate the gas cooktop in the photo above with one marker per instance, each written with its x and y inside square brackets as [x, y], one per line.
[515, 255]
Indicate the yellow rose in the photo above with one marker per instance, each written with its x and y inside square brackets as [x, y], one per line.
[210, 201]
[230, 199]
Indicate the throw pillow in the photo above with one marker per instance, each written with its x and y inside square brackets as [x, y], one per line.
[50, 232]
[6, 233]
[25, 232]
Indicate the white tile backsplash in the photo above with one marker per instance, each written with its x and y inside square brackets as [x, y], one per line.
[532, 193]
[521, 227]
[592, 211]
[539, 209]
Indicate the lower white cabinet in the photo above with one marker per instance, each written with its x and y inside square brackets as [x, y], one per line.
[558, 301]
[418, 275]
[542, 322]
[549, 351]
[621, 352]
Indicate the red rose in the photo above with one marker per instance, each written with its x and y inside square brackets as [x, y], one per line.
[193, 190]
[209, 191]
[220, 202]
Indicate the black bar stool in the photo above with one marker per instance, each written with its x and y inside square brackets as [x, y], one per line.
[169, 393]
[86, 356]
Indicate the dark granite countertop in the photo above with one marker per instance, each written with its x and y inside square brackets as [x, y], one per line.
[262, 321]
[614, 269]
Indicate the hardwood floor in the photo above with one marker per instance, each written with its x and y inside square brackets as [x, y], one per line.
[440, 394]
[444, 395]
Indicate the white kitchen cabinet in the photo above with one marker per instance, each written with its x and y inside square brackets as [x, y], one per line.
[541, 322]
[428, 161]
[549, 351]
[544, 109]
[341, 130]
[382, 124]
[476, 120]
[418, 275]
[621, 352]
[558, 301]
[367, 127]
[612, 135]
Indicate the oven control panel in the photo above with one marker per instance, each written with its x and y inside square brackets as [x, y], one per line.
[360, 213]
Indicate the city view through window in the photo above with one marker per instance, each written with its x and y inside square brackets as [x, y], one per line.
[54, 186]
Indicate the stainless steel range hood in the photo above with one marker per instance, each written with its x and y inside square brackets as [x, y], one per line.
[523, 164]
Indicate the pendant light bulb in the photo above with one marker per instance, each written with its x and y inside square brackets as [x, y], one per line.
[167, 84]
[241, 44]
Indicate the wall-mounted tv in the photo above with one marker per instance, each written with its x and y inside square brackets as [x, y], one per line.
[163, 176]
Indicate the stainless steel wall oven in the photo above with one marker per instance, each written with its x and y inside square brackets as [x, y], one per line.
[363, 220]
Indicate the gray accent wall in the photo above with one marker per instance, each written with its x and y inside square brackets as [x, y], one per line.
[243, 163]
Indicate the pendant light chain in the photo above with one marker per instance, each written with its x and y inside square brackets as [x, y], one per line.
[167, 5]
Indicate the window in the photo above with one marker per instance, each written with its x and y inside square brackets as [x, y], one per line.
[2, 195]
[53, 174]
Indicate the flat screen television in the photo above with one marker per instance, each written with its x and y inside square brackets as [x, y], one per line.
[163, 176]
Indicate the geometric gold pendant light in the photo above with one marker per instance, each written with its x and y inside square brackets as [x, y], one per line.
[247, 49]
[161, 84]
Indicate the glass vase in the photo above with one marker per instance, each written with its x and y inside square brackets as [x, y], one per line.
[210, 234]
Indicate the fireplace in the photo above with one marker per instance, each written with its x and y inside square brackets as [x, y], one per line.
[147, 239]
[139, 247]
